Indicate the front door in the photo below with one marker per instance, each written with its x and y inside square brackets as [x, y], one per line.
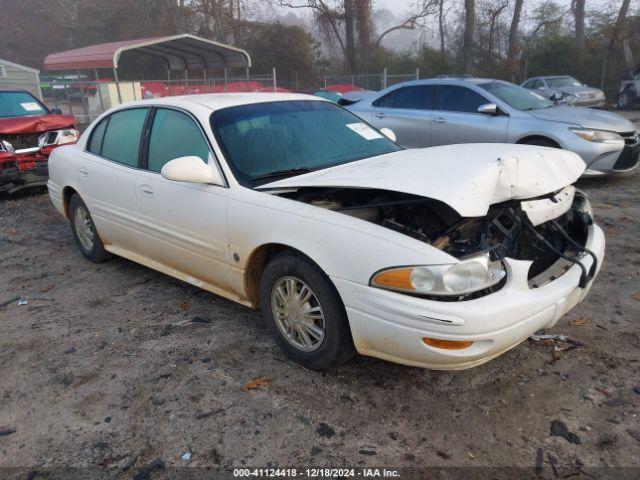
[185, 224]
[455, 118]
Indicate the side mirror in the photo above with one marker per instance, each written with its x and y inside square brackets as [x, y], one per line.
[555, 97]
[488, 108]
[191, 169]
[56, 111]
[387, 132]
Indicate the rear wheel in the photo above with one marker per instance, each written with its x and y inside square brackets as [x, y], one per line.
[304, 313]
[84, 231]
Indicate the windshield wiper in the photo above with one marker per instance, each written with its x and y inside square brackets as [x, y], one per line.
[283, 173]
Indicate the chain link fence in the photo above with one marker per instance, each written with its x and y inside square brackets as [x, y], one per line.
[371, 81]
[87, 100]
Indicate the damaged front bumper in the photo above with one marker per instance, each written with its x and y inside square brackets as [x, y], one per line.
[22, 171]
[391, 325]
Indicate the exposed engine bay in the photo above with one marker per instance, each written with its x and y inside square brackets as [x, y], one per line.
[506, 231]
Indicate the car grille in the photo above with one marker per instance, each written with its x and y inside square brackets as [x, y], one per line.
[631, 138]
[628, 158]
[21, 141]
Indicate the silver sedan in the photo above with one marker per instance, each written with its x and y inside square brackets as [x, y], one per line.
[566, 89]
[450, 110]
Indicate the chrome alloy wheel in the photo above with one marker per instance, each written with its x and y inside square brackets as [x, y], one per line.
[298, 313]
[84, 229]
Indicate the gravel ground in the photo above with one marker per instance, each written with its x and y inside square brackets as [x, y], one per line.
[115, 365]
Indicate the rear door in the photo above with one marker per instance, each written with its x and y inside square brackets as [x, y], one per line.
[185, 224]
[455, 118]
[107, 174]
[406, 111]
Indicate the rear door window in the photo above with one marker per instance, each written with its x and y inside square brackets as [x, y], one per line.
[95, 143]
[121, 141]
[174, 135]
[415, 97]
[454, 98]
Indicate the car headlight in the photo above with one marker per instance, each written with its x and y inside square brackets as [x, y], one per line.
[468, 276]
[592, 135]
[58, 137]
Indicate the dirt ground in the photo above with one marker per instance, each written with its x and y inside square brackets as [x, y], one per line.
[106, 367]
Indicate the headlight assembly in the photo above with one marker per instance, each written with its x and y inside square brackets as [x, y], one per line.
[592, 135]
[58, 137]
[468, 276]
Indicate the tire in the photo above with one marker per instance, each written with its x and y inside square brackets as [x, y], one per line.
[541, 142]
[288, 329]
[626, 99]
[84, 231]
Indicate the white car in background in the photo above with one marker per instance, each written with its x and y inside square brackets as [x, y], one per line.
[442, 258]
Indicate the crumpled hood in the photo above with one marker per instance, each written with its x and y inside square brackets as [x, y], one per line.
[35, 123]
[585, 117]
[469, 178]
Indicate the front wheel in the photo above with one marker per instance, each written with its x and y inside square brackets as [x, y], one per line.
[626, 100]
[84, 231]
[304, 313]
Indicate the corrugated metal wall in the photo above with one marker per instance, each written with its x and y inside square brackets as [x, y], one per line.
[16, 76]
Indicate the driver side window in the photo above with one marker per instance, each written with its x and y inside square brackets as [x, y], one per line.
[174, 135]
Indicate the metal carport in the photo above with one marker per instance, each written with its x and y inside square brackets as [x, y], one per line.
[178, 52]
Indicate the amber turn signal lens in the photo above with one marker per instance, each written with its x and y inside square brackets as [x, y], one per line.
[447, 344]
[399, 278]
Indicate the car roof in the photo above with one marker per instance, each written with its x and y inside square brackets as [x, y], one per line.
[217, 101]
[452, 79]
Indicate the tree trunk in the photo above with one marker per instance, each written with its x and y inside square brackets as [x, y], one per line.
[617, 28]
[441, 29]
[349, 35]
[512, 54]
[469, 24]
[578, 15]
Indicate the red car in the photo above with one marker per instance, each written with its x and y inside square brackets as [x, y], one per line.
[29, 131]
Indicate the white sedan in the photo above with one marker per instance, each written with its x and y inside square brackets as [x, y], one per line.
[441, 258]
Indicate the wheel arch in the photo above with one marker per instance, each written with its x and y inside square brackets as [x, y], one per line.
[529, 138]
[258, 260]
[67, 193]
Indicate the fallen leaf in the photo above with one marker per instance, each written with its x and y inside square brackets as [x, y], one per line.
[578, 322]
[627, 220]
[636, 296]
[184, 305]
[46, 289]
[256, 383]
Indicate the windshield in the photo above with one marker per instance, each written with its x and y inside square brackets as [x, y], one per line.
[515, 96]
[264, 142]
[19, 104]
[558, 82]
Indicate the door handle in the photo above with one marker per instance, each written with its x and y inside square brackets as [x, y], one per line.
[146, 190]
[83, 171]
[381, 115]
[440, 120]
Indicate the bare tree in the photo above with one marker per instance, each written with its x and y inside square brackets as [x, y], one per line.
[617, 27]
[469, 25]
[349, 24]
[577, 7]
[441, 28]
[424, 9]
[514, 48]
